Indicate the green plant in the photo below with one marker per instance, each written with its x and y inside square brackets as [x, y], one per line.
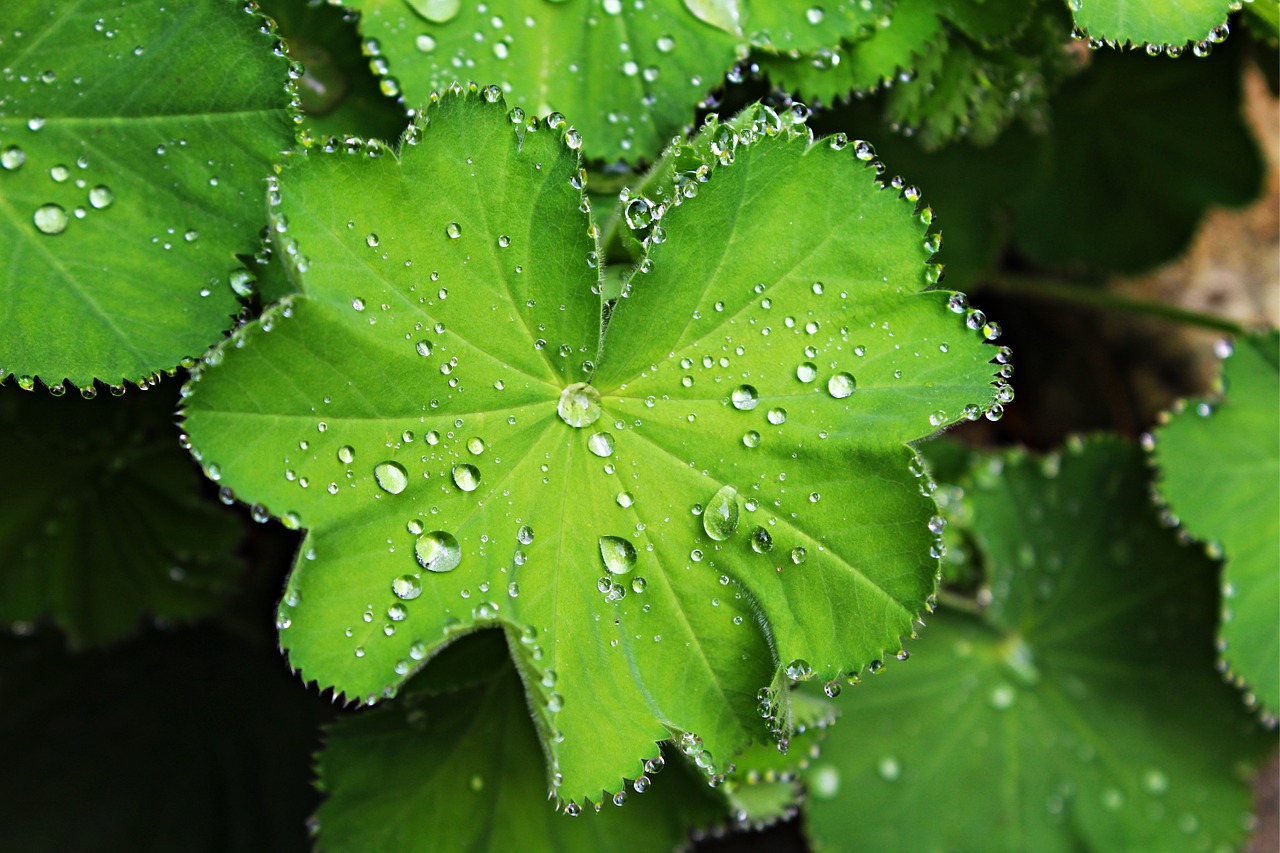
[600, 401]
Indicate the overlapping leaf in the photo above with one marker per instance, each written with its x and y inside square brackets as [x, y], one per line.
[1219, 465]
[1156, 22]
[105, 520]
[738, 504]
[1046, 724]
[134, 144]
[629, 74]
[459, 767]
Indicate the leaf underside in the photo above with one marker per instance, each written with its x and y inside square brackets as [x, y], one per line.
[1218, 470]
[307, 410]
[1045, 724]
[135, 144]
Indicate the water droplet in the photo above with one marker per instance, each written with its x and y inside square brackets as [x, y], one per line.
[799, 670]
[12, 158]
[437, 551]
[751, 438]
[454, 230]
[466, 477]
[889, 768]
[841, 385]
[799, 555]
[50, 218]
[744, 398]
[777, 416]
[347, 454]
[1002, 697]
[407, 587]
[638, 213]
[437, 11]
[101, 196]
[761, 541]
[475, 445]
[807, 372]
[720, 518]
[618, 554]
[423, 347]
[391, 476]
[579, 405]
[625, 499]
[601, 444]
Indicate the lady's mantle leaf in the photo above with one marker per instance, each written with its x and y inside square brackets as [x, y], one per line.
[629, 74]
[1046, 724]
[729, 500]
[105, 520]
[134, 142]
[1219, 467]
[1156, 22]
[462, 769]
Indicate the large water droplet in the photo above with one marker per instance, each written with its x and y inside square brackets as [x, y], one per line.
[391, 476]
[437, 551]
[579, 405]
[466, 477]
[12, 158]
[841, 385]
[437, 11]
[744, 398]
[722, 14]
[618, 554]
[720, 518]
[101, 196]
[50, 218]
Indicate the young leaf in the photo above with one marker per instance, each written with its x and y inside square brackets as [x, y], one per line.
[630, 74]
[134, 142]
[187, 741]
[1218, 468]
[463, 770]
[1046, 723]
[107, 522]
[1166, 23]
[728, 502]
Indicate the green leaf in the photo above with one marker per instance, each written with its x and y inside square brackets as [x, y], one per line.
[187, 741]
[1128, 173]
[629, 75]
[1218, 468]
[415, 409]
[1158, 22]
[135, 144]
[106, 520]
[338, 93]
[463, 770]
[1046, 723]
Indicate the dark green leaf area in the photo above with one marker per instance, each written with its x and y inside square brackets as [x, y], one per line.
[1139, 149]
[188, 741]
[1219, 464]
[134, 142]
[712, 496]
[452, 766]
[338, 92]
[106, 520]
[1045, 723]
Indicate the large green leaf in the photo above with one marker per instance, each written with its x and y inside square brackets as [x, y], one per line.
[462, 769]
[1219, 467]
[105, 520]
[135, 141]
[1080, 712]
[414, 409]
[190, 741]
[1157, 22]
[630, 75]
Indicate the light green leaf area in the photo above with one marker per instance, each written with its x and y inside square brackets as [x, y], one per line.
[133, 146]
[730, 499]
[106, 520]
[1045, 724]
[1158, 22]
[462, 769]
[628, 75]
[1219, 465]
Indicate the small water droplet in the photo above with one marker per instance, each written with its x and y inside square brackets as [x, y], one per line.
[391, 477]
[407, 587]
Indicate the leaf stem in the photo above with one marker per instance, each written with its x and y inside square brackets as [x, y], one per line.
[1087, 293]
[959, 602]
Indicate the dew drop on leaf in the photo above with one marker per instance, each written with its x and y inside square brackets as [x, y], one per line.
[391, 476]
[807, 371]
[841, 385]
[466, 477]
[761, 541]
[50, 218]
[720, 518]
[601, 444]
[437, 551]
[436, 11]
[744, 398]
[579, 405]
[101, 196]
[618, 554]
[347, 454]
